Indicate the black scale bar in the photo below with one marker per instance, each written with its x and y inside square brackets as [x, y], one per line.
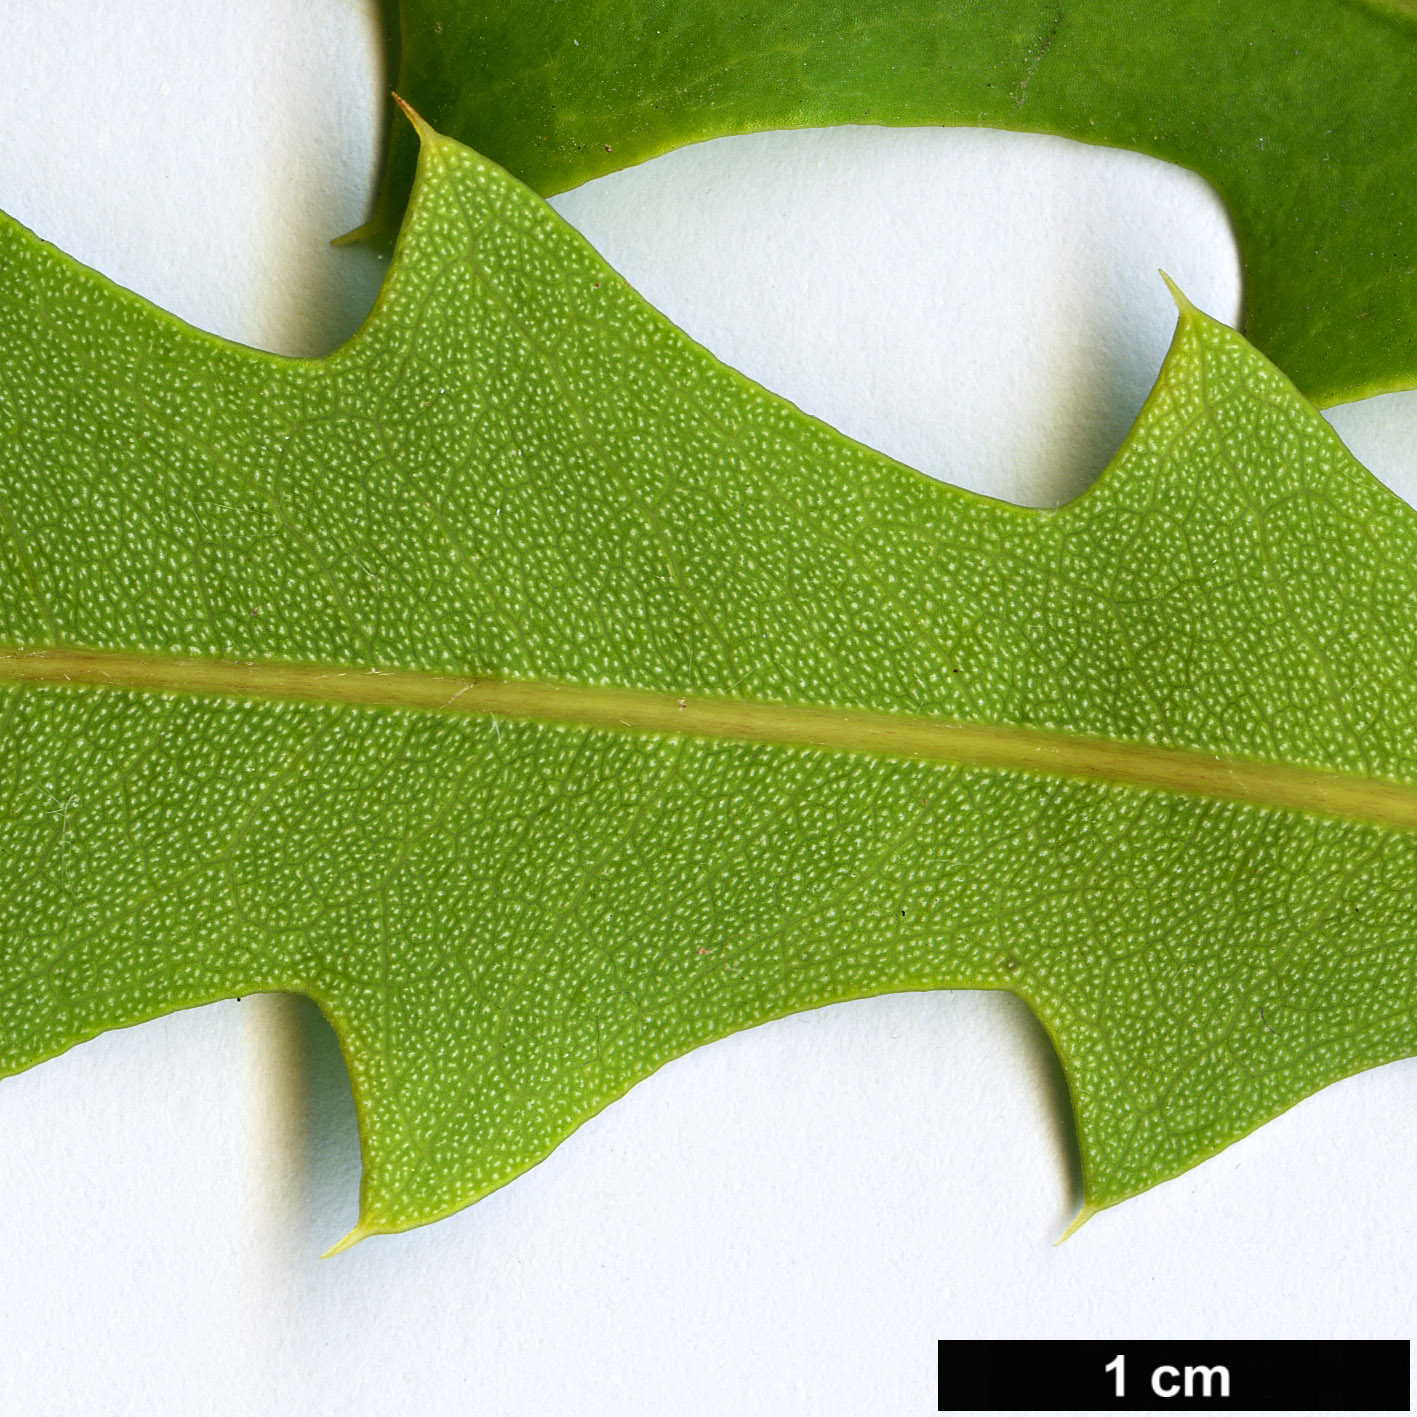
[1046, 1375]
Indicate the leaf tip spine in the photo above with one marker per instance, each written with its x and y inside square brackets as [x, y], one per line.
[360, 1232]
[1089, 1209]
[1187, 309]
[427, 136]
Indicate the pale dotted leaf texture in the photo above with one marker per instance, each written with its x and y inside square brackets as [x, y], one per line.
[1299, 113]
[518, 477]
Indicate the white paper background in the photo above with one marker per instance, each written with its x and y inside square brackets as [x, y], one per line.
[784, 1222]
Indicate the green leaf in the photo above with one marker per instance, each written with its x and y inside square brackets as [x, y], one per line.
[545, 700]
[1298, 112]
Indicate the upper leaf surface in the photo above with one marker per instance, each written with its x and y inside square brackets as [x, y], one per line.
[775, 721]
[1299, 112]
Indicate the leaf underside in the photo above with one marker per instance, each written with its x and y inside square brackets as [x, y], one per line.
[1298, 112]
[544, 700]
